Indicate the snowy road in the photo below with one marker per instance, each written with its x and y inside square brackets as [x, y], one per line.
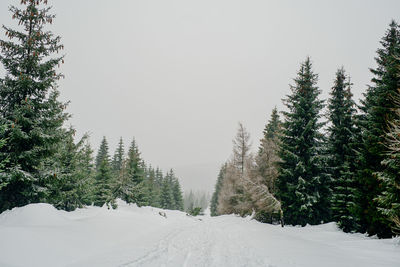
[38, 235]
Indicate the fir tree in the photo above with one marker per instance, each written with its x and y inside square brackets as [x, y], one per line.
[29, 103]
[218, 185]
[153, 189]
[389, 199]
[70, 186]
[118, 158]
[176, 192]
[104, 184]
[167, 197]
[3, 181]
[86, 167]
[102, 153]
[303, 185]
[342, 152]
[159, 178]
[378, 110]
[133, 186]
[267, 158]
[273, 128]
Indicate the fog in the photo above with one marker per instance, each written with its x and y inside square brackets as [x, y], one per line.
[178, 75]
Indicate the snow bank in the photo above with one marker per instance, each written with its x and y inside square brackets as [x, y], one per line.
[40, 235]
[33, 215]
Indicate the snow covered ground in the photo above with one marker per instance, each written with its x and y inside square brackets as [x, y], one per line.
[39, 235]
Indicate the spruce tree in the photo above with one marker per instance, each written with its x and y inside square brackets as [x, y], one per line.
[303, 185]
[3, 181]
[104, 184]
[29, 103]
[86, 166]
[133, 186]
[267, 158]
[70, 183]
[341, 148]
[176, 192]
[167, 197]
[389, 199]
[218, 185]
[273, 128]
[153, 189]
[378, 110]
[118, 158]
[102, 153]
[159, 178]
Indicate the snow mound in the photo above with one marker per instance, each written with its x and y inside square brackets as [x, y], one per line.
[33, 215]
[133, 236]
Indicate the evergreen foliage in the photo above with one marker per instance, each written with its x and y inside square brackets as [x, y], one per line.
[118, 159]
[218, 185]
[378, 110]
[341, 148]
[274, 126]
[267, 158]
[303, 185]
[167, 197]
[176, 192]
[29, 103]
[389, 199]
[153, 188]
[133, 184]
[71, 179]
[104, 184]
[3, 141]
[198, 199]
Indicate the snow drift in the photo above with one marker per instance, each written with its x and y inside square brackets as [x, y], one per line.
[40, 235]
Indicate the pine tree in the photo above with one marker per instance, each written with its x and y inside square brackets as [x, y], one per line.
[118, 158]
[102, 153]
[267, 158]
[29, 103]
[70, 186]
[218, 185]
[167, 197]
[342, 152]
[86, 167]
[303, 185]
[3, 181]
[133, 186]
[176, 192]
[273, 128]
[159, 178]
[153, 189]
[378, 110]
[389, 199]
[104, 184]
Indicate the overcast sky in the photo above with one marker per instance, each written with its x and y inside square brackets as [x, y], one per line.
[178, 75]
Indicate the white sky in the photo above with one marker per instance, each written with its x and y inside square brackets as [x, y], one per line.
[179, 74]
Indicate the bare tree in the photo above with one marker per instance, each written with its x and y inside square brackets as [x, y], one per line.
[241, 147]
[244, 190]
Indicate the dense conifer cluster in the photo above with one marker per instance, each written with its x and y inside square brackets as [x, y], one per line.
[343, 167]
[39, 158]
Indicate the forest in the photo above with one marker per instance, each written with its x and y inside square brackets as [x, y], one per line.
[325, 160]
[41, 162]
[321, 161]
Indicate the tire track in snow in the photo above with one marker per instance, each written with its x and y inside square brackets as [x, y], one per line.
[203, 243]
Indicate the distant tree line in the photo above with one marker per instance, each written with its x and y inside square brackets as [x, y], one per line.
[196, 200]
[39, 159]
[342, 166]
